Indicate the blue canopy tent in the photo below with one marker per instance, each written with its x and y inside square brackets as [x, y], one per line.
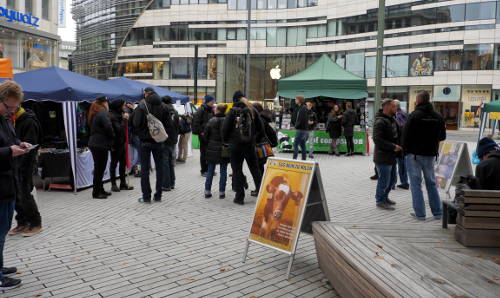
[139, 87]
[69, 88]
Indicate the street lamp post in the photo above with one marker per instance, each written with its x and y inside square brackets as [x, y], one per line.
[247, 63]
[380, 55]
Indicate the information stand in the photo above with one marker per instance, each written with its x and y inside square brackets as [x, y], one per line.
[290, 198]
[453, 162]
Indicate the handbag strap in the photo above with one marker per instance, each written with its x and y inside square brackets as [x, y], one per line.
[146, 105]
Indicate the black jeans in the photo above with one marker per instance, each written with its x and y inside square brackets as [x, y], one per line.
[350, 144]
[6, 213]
[203, 153]
[100, 156]
[146, 150]
[118, 156]
[240, 153]
[27, 213]
[169, 166]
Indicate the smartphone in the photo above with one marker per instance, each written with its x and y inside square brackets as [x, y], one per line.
[31, 148]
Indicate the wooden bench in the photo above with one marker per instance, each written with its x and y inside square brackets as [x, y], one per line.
[403, 260]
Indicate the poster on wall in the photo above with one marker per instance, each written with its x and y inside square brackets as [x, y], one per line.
[38, 55]
[421, 64]
[453, 161]
[414, 91]
[473, 99]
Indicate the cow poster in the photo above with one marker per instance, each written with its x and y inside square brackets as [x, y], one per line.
[281, 203]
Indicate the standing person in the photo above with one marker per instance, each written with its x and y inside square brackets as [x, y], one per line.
[28, 129]
[172, 130]
[302, 128]
[240, 128]
[118, 153]
[204, 113]
[185, 135]
[385, 137]
[269, 135]
[11, 96]
[311, 125]
[348, 122]
[422, 133]
[100, 143]
[150, 105]
[217, 152]
[134, 141]
[401, 118]
[488, 170]
[334, 128]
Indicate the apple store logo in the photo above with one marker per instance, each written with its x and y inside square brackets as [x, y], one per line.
[446, 91]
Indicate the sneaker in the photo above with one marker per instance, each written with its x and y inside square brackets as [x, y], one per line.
[204, 174]
[438, 217]
[394, 187]
[239, 202]
[115, 188]
[222, 195]
[141, 200]
[385, 206]
[374, 177]
[390, 202]
[157, 200]
[166, 189]
[100, 196]
[181, 161]
[126, 187]
[106, 193]
[8, 283]
[208, 194]
[32, 231]
[404, 186]
[17, 230]
[311, 156]
[254, 193]
[417, 217]
[9, 270]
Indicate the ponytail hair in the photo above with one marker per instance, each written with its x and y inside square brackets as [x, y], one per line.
[248, 104]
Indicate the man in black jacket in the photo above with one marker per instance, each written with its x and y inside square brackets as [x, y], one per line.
[385, 137]
[312, 121]
[172, 130]
[204, 113]
[29, 221]
[302, 128]
[348, 122]
[421, 136]
[153, 104]
[488, 171]
[10, 147]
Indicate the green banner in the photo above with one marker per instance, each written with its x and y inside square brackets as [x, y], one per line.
[322, 141]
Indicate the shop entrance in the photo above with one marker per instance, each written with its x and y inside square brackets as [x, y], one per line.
[449, 111]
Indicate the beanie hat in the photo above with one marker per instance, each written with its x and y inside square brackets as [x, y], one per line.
[167, 99]
[209, 98]
[237, 96]
[485, 146]
[102, 99]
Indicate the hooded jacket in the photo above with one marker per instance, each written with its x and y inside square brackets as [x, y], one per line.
[101, 131]
[213, 135]
[201, 118]
[302, 118]
[385, 137]
[488, 172]
[118, 123]
[229, 133]
[423, 131]
[8, 167]
[140, 122]
[348, 122]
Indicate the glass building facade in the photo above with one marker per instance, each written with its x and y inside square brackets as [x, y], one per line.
[430, 45]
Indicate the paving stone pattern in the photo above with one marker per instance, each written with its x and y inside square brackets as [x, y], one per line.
[185, 246]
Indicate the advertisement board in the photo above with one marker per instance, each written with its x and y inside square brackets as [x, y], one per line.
[453, 161]
[473, 99]
[322, 141]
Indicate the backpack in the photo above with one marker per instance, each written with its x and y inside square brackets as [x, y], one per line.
[156, 128]
[243, 126]
[271, 135]
[184, 126]
[197, 119]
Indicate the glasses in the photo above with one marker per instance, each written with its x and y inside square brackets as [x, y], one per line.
[10, 108]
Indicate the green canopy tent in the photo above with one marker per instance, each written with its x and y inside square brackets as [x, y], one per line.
[323, 78]
[491, 111]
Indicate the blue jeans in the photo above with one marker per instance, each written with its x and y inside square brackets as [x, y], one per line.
[300, 140]
[418, 164]
[6, 214]
[386, 180]
[222, 178]
[403, 171]
[169, 166]
[146, 150]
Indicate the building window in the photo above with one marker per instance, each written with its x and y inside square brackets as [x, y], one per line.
[442, 59]
[291, 37]
[181, 68]
[271, 37]
[371, 66]
[452, 13]
[355, 63]
[11, 4]
[421, 64]
[332, 28]
[28, 6]
[478, 57]
[45, 9]
[272, 4]
[231, 34]
[221, 34]
[241, 34]
[397, 66]
[282, 4]
[292, 3]
[159, 4]
[281, 37]
[480, 11]
[261, 4]
[242, 4]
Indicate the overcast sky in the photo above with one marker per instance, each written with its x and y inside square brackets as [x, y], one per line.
[68, 33]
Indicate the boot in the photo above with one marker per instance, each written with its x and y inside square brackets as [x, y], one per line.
[114, 187]
[125, 186]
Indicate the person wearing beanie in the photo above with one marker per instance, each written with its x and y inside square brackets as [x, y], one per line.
[488, 170]
[237, 96]
[204, 113]
[172, 130]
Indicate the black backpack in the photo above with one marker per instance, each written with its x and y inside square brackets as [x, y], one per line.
[243, 125]
[184, 126]
[271, 135]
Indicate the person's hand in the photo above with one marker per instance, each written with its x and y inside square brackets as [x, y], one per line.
[17, 150]
[311, 122]
[25, 145]
[398, 148]
[125, 116]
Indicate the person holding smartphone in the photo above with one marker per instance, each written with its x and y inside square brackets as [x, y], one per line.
[11, 96]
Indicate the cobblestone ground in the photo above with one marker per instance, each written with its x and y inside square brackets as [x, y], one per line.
[183, 246]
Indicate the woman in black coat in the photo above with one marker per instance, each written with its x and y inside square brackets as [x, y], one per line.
[118, 152]
[100, 143]
[334, 128]
[269, 135]
[217, 152]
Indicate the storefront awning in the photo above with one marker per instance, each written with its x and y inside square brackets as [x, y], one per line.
[493, 106]
[323, 78]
